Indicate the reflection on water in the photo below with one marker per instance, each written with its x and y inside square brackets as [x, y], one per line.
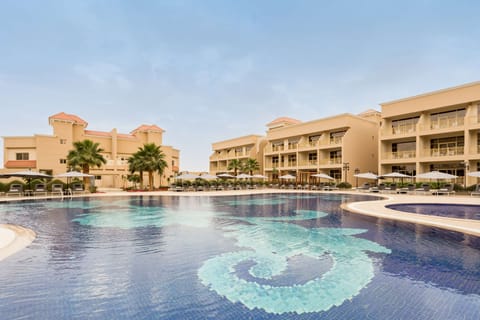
[260, 256]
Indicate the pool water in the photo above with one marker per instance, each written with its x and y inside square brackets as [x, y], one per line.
[272, 256]
[459, 211]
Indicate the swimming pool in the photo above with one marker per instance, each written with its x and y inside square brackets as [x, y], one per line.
[459, 211]
[268, 256]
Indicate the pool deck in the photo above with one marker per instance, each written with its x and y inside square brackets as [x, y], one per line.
[14, 238]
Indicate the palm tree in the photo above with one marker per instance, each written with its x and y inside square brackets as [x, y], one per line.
[149, 158]
[251, 165]
[85, 154]
[235, 165]
[135, 164]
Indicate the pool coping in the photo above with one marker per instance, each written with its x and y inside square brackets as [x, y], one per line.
[22, 237]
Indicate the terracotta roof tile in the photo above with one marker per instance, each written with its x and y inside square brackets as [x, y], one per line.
[68, 117]
[21, 164]
[146, 127]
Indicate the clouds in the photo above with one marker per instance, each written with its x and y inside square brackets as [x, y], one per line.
[208, 71]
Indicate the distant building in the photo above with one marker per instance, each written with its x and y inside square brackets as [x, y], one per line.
[439, 130]
[48, 153]
[240, 148]
[336, 146]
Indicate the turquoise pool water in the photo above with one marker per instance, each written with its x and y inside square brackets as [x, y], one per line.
[281, 256]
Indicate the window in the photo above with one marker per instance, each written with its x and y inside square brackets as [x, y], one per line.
[22, 156]
[98, 177]
[336, 157]
[447, 119]
[63, 141]
[336, 137]
[403, 149]
[447, 146]
[407, 169]
[63, 161]
[404, 125]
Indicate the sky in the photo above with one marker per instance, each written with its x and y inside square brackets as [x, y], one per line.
[207, 71]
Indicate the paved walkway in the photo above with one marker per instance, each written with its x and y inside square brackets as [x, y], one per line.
[14, 238]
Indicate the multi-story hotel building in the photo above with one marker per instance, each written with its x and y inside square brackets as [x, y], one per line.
[337, 146]
[240, 148]
[433, 131]
[48, 153]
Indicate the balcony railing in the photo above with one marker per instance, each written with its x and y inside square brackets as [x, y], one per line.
[332, 161]
[445, 152]
[401, 154]
[293, 146]
[444, 123]
[336, 140]
[404, 129]
[308, 162]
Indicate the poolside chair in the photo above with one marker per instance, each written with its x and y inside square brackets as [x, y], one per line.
[78, 188]
[57, 189]
[15, 189]
[476, 192]
[424, 189]
[364, 187]
[392, 188]
[447, 189]
[40, 189]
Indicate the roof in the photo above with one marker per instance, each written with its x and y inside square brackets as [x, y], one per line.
[21, 164]
[146, 127]
[284, 120]
[68, 117]
[108, 134]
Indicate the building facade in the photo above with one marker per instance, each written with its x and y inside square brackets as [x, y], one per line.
[433, 131]
[240, 148]
[337, 146]
[48, 153]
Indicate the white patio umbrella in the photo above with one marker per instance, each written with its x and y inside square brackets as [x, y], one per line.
[395, 175]
[435, 175]
[225, 175]
[366, 175]
[322, 176]
[287, 177]
[27, 174]
[259, 176]
[243, 176]
[187, 176]
[208, 176]
[474, 174]
[73, 174]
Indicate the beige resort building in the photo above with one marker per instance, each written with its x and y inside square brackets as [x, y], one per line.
[47, 153]
[240, 148]
[433, 131]
[336, 145]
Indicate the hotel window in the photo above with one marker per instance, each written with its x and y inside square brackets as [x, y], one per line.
[478, 141]
[292, 143]
[277, 146]
[275, 160]
[312, 140]
[336, 137]
[404, 149]
[63, 141]
[407, 169]
[447, 146]
[22, 156]
[407, 125]
[63, 161]
[292, 160]
[336, 157]
[238, 151]
[447, 119]
[336, 174]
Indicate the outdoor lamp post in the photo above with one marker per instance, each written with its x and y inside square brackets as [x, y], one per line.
[357, 171]
[346, 167]
[465, 166]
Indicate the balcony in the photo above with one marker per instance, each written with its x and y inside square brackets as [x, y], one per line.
[444, 152]
[444, 123]
[335, 140]
[308, 163]
[270, 149]
[408, 154]
[331, 161]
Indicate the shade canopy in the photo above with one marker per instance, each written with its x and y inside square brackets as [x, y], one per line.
[366, 175]
[28, 174]
[435, 175]
[243, 176]
[259, 176]
[187, 176]
[73, 174]
[287, 177]
[322, 176]
[474, 174]
[395, 175]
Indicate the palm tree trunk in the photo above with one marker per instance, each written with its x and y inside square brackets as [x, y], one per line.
[141, 180]
[150, 180]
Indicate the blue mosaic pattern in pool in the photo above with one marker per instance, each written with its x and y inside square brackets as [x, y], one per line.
[241, 257]
[458, 211]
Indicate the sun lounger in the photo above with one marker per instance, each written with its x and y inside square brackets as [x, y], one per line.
[40, 189]
[364, 187]
[77, 188]
[15, 189]
[476, 192]
[425, 189]
[447, 189]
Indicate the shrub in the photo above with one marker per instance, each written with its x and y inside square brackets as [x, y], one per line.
[344, 185]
